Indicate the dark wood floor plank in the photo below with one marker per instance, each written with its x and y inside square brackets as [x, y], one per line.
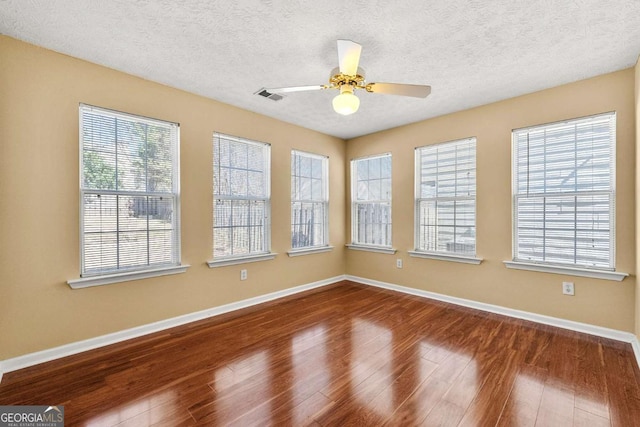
[346, 354]
[496, 381]
[368, 400]
[623, 390]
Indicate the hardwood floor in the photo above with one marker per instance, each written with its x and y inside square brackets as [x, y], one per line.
[346, 354]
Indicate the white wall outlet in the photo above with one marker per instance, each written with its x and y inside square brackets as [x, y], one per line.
[243, 274]
[399, 263]
[568, 289]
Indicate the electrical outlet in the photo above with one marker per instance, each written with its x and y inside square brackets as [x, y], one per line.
[568, 289]
[243, 274]
[399, 263]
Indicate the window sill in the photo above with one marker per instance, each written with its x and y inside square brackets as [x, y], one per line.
[446, 257]
[223, 262]
[86, 282]
[309, 251]
[378, 249]
[572, 271]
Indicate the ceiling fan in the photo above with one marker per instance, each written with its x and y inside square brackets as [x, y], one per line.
[348, 77]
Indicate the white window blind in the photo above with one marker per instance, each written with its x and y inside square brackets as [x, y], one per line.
[371, 201]
[309, 200]
[241, 196]
[129, 192]
[564, 192]
[446, 197]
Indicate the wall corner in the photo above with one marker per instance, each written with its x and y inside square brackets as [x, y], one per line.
[637, 187]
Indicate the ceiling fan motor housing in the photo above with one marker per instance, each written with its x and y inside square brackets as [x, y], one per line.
[338, 79]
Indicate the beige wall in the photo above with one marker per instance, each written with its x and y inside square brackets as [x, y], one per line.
[39, 251]
[604, 303]
[637, 109]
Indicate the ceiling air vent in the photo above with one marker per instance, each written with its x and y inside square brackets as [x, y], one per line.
[271, 96]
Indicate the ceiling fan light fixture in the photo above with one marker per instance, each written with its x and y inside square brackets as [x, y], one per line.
[346, 102]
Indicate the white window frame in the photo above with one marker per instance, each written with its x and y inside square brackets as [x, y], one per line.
[355, 203]
[446, 255]
[323, 201]
[577, 268]
[252, 256]
[90, 278]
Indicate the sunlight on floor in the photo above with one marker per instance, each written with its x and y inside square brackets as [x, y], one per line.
[372, 365]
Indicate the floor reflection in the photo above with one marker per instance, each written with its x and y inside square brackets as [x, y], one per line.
[311, 373]
[371, 365]
[243, 386]
[154, 409]
[524, 401]
[450, 383]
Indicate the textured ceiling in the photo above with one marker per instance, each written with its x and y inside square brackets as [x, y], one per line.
[470, 52]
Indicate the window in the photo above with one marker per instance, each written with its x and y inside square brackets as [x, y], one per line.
[564, 193]
[371, 201]
[129, 192]
[446, 198]
[309, 200]
[241, 193]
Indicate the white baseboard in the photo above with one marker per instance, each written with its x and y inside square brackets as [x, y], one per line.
[31, 359]
[636, 349]
[510, 312]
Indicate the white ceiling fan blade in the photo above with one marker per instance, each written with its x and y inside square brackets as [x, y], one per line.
[348, 57]
[294, 89]
[417, 91]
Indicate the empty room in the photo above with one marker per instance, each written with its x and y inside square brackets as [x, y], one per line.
[279, 213]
